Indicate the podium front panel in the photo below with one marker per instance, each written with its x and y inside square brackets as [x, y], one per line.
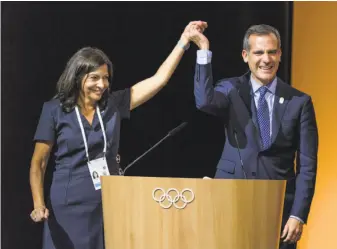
[188, 213]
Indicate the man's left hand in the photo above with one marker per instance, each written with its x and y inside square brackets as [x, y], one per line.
[292, 231]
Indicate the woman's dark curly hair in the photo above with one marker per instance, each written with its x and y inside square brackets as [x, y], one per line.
[84, 61]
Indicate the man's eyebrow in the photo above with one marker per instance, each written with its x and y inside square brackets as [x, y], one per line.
[268, 51]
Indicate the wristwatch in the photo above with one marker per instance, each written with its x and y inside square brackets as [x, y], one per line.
[185, 47]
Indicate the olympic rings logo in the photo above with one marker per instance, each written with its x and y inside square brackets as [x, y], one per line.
[172, 199]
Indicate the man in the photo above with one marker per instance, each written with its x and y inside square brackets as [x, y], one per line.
[268, 120]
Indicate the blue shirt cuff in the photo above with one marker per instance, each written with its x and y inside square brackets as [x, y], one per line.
[204, 57]
[295, 217]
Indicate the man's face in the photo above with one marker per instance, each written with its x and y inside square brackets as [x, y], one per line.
[263, 57]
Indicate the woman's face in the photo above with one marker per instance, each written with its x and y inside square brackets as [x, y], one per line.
[95, 83]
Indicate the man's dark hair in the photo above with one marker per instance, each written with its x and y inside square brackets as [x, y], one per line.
[261, 29]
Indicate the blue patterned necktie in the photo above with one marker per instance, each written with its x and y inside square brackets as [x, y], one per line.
[263, 118]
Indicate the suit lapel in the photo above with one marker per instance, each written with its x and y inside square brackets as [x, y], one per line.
[245, 93]
[244, 90]
[280, 103]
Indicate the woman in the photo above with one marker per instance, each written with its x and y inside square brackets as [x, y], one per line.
[83, 121]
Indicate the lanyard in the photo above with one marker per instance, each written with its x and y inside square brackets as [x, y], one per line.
[83, 134]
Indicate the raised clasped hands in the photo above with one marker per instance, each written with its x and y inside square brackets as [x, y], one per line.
[194, 32]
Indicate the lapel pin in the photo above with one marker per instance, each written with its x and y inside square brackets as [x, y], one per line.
[281, 100]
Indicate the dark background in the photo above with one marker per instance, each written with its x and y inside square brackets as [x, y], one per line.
[39, 38]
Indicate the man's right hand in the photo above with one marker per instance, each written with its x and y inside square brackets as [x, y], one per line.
[197, 36]
[194, 32]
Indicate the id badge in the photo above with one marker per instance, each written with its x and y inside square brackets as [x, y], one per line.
[98, 168]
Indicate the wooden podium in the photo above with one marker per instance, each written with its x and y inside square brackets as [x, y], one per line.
[148, 213]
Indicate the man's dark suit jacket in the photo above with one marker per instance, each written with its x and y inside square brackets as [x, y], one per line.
[294, 132]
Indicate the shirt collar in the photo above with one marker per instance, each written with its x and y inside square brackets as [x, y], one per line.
[256, 86]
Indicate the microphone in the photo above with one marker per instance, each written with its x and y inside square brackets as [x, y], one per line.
[177, 129]
[238, 148]
[169, 134]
